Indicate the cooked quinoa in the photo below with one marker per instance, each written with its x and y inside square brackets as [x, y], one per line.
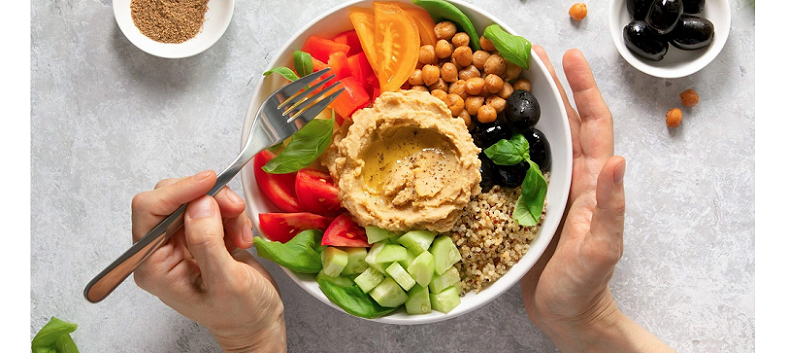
[490, 241]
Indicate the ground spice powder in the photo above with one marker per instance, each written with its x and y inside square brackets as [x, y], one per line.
[169, 21]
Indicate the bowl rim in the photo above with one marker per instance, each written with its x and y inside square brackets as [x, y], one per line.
[692, 67]
[153, 47]
[544, 235]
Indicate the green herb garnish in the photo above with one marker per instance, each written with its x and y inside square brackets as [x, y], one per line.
[509, 152]
[54, 338]
[353, 300]
[286, 72]
[300, 254]
[305, 146]
[303, 63]
[515, 49]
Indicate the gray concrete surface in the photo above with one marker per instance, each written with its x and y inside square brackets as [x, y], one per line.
[109, 121]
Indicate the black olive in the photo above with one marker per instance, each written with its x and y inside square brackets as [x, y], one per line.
[522, 110]
[487, 171]
[663, 15]
[539, 149]
[693, 6]
[511, 175]
[644, 42]
[692, 33]
[485, 135]
[638, 8]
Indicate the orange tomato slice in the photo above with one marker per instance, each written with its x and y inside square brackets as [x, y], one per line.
[363, 22]
[396, 45]
[425, 24]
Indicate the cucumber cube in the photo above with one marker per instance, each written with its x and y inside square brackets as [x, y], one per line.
[375, 234]
[422, 268]
[459, 287]
[445, 301]
[340, 281]
[391, 253]
[356, 262]
[369, 279]
[372, 254]
[417, 241]
[389, 294]
[445, 253]
[333, 261]
[409, 257]
[418, 301]
[400, 276]
[444, 281]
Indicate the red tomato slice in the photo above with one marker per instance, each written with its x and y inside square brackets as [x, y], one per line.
[362, 71]
[317, 193]
[321, 48]
[282, 227]
[351, 39]
[338, 62]
[279, 189]
[354, 98]
[343, 231]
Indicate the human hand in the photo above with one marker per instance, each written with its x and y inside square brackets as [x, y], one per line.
[203, 271]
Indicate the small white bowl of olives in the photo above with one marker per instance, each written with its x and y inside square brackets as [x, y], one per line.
[669, 38]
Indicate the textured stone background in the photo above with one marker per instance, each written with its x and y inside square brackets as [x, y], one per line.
[109, 121]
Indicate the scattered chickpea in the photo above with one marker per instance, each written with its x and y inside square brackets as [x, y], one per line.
[468, 73]
[455, 104]
[430, 74]
[506, 90]
[578, 11]
[512, 72]
[427, 54]
[442, 95]
[416, 78]
[443, 49]
[440, 84]
[495, 65]
[419, 88]
[466, 117]
[496, 102]
[474, 86]
[674, 117]
[473, 103]
[449, 72]
[459, 87]
[463, 56]
[689, 98]
[494, 83]
[486, 114]
[486, 44]
[478, 59]
[445, 30]
[522, 85]
[461, 39]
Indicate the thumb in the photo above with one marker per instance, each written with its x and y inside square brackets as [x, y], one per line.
[608, 220]
[205, 240]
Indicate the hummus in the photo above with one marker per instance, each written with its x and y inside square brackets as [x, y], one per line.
[405, 164]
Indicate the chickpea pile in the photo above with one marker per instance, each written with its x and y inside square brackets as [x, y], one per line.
[473, 84]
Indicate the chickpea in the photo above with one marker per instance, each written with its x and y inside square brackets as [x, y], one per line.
[443, 49]
[468, 73]
[494, 83]
[473, 103]
[461, 39]
[522, 85]
[674, 117]
[486, 44]
[578, 11]
[454, 62]
[486, 114]
[474, 86]
[512, 72]
[440, 84]
[689, 98]
[427, 54]
[466, 117]
[485, 93]
[459, 87]
[419, 88]
[455, 104]
[416, 78]
[506, 90]
[430, 74]
[496, 102]
[478, 59]
[495, 65]
[463, 56]
[442, 95]
[449, 72]
[445, 30]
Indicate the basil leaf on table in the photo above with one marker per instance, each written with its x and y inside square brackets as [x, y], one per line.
[303, 63]
[305, 146]
[509, 152]
[515, 49]
[54, 337]
[299, 254]
[353, 300]
[65, 344]
[528, 208]
[441, 10]
[286, 72]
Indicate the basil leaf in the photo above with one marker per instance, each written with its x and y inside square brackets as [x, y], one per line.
[515, 49]
[46, 340]
[353, 300]
[287, 73]
[528, 208]
[441, 10]
[65, 344]
[303, 63]
[305, 146]
[509, 152]
[298, 254]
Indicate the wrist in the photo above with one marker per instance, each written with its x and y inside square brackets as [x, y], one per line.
[265, 337]
[591, 331]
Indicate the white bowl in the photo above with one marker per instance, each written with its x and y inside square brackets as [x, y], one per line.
[553, 123]
[677, 63]
[217, 18]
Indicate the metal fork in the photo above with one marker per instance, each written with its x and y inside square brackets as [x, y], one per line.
[269, 128]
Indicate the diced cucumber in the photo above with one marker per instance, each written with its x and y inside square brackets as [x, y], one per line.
[409, 257]
[375, 234]
[459, 287]
[333, 261]
[400, 276]
[444, 281]
[445, 301]
[391, 253]
[417, 241]
[373, 253]
[418, 301]
[340, 281]
[369, 279]
[356, 262]
[389, 294]
[445, 253]
[422, 268]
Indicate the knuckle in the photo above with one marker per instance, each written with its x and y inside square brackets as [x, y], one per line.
[138, 202]
[161, 183]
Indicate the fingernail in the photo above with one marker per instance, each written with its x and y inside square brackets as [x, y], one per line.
[619, 173]
[234, 198]
[247, 235]
[201, 208]
[202, 175]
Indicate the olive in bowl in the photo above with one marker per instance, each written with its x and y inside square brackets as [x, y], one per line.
[638, 8]
[663, 15]
[522, 110]
[644, 41]
[692, 33]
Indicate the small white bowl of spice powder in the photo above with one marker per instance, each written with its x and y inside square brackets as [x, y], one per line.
[173, 28]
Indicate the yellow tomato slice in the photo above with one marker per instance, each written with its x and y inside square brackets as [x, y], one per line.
[396, 45]
[363, 22]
